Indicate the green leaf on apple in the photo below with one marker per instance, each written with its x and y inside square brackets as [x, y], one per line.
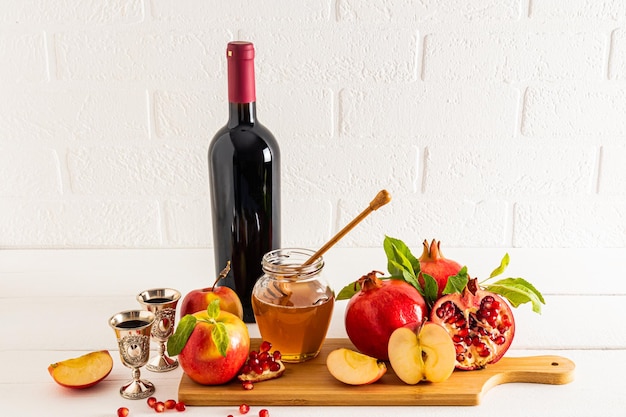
[177, 341]
[219, 334]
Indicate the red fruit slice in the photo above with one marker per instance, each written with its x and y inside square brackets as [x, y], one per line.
[480, 323]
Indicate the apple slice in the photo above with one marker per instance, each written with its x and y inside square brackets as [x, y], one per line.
[354, 368]
[82, 372]
[425, 354]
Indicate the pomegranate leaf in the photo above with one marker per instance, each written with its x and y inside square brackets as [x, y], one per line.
[400, 258]
[457, 283]
[500, 269]
[517, 291]
[348, 291]
[178, 340]
[429, 292]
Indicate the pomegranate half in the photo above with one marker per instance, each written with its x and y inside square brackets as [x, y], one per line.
[480, 324]
[379, 308]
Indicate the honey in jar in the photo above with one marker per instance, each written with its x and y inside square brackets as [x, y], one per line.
[293, 304]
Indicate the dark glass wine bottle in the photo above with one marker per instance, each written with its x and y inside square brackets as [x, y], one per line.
[244, 179]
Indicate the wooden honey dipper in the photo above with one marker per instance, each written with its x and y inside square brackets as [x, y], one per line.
[382, 198]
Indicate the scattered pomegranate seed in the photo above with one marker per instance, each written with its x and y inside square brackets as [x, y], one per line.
[122, 412]
[264, 413]
[180, 406]
[170, 404]
[151, 401]
[244, 408]
[159, 406]
[247, 385]
[265, 346]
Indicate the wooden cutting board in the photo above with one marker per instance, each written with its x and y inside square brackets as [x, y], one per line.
[310, 384]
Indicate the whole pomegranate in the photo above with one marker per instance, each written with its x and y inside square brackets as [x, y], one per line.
[479, 322]
[433, 263]
[377, 309]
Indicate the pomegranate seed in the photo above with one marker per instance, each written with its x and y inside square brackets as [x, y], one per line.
[459, 348]
[253, 354]
[151, 401]
[499, 340]
[159, 406]
[264, 413]
[244, 408]
[258, 369]
[180, 406]
[265, 346]
[247, 385]
[276, 355]
[460, 358]
[122, 412]
[274, 367]
[170, 404]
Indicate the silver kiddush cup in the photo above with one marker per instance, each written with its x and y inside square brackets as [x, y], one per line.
[132, 329]
[162, 302]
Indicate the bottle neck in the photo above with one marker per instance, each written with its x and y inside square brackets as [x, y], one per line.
[241, 85]
[241, 114]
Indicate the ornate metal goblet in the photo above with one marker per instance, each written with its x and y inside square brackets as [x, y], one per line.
[162, 302]
[132, 329]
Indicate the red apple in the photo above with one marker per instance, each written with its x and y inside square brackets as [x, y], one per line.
[82, 372]
[199, 300]
[422, 353]
[211, 345]
[354, 368]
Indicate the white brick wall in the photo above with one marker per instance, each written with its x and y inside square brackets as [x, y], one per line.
[493, 123]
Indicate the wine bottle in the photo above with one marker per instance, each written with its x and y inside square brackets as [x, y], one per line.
[244, 180]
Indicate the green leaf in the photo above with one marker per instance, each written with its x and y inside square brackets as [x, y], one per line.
[503, 264]
[457, 283]
[517, 291]
[213, 309]
[348, 291]
[219, 334]
[177, 341]
[430, 289]
[399, 257]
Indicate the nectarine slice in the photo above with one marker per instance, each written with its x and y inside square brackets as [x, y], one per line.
[354, 368]
[82, 372]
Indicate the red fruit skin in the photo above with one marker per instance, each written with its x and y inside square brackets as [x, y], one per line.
[467, 305]
[200, 358]
[372, 314]
[199, 300]
[433, 263]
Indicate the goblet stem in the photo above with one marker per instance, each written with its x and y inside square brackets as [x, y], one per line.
[137, 388]
[162, 362]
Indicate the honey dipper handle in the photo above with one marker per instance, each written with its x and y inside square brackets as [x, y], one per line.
[382, 198]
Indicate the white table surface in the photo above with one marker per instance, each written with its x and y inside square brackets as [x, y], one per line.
[55, 304]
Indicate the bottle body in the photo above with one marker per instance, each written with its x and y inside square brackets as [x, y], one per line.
[244, 180]
[293, 304]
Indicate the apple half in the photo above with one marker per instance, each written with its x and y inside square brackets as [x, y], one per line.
[423, 354]
[82, 372]
[354, 368]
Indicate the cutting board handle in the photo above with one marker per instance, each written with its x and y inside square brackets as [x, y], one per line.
[548, 369]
